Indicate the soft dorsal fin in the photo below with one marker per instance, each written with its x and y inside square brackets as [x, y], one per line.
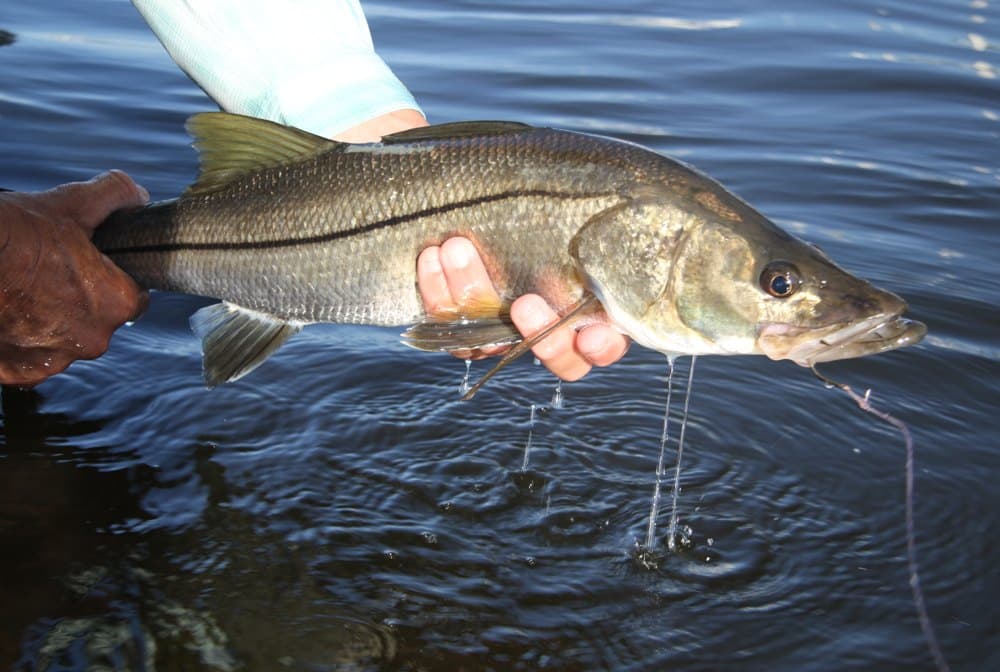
[232, 145]
[457, 129]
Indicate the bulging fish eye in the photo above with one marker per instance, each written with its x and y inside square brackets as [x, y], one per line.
[780, 279]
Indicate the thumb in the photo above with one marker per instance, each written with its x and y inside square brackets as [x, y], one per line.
[89, 203]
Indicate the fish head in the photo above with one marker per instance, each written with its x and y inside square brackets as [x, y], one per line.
[748, 286]
[813, 311]
[698, 271]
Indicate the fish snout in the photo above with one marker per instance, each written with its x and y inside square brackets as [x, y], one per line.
[869, 301]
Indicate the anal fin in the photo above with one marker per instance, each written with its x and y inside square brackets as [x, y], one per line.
[477, 323]
[587, 301]
[442, 334]
[236, 340]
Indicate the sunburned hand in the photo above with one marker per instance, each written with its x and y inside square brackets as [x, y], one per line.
[453, 274]
[60, 298]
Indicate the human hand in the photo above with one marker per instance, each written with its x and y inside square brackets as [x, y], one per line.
[453, 274]
[60, 298]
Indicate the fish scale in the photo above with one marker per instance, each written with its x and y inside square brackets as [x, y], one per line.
[370, 278]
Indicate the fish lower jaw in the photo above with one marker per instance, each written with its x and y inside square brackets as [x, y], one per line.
[878, 333]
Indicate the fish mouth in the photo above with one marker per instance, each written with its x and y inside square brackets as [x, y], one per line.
[875, 334]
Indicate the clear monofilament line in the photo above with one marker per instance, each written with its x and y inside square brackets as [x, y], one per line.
[864, 403]
[672, 530]
[654, 508]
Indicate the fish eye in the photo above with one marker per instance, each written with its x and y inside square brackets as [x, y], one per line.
[780, 279]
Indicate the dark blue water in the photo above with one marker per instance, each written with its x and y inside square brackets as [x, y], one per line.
[341, 509]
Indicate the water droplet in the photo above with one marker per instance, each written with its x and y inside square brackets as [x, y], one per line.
[557, 396]
[463, 389]
[527, 445]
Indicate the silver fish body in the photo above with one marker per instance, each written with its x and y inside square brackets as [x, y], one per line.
[334, 237]
[289, 229]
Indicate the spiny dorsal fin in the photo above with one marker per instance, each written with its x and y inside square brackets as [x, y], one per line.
[457, 129]
[236, 340]
[232, 145]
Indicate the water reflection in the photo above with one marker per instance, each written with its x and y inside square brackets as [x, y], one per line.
[55, 519]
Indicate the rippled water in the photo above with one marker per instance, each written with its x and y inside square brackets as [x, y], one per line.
[342, 509]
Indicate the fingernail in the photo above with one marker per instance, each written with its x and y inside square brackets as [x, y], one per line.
[595, 345]
[460, 252]
[429, 260]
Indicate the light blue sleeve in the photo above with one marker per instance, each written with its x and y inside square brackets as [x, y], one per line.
[306, 63]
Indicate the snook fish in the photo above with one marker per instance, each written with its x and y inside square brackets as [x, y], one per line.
[289, 228]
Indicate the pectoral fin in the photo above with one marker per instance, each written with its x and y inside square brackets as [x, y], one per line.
[236, 340]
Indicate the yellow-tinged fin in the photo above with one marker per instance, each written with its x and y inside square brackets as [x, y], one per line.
[232, 145]
[236, 340]
[588, 300]
[477, 323]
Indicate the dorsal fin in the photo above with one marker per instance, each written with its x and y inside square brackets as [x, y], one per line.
[457, 129]
[232, 145]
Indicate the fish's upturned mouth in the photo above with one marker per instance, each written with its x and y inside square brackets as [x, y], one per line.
[878, 333]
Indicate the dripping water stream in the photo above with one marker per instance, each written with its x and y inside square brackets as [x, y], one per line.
[647, 555]
[672, 530]
[654, 509]
[527, 444]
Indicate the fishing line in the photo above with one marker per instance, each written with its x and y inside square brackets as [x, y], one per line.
[864, 403]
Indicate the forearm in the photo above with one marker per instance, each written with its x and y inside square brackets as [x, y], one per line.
[310, 65]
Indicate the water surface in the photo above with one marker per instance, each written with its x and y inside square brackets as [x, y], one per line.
[342, 509]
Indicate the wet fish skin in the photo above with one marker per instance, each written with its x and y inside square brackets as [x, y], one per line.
[334, 237]
[288, 229]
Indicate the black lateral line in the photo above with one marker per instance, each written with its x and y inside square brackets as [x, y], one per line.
[345, 233]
